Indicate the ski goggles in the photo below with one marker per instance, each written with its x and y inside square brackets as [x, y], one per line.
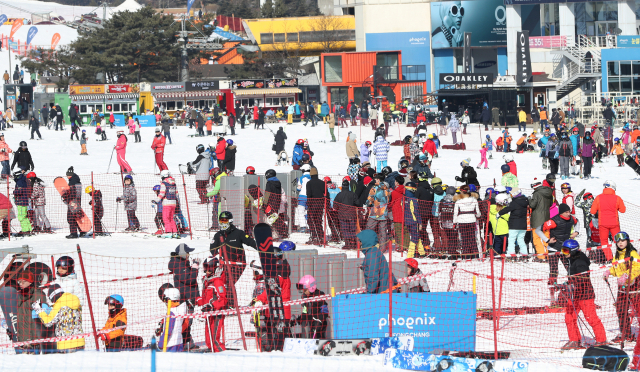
[454, 10]
[412, 189]
[223, 220]
[565, 251]
[621, 236]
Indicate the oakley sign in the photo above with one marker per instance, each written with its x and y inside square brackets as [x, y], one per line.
[482, 79]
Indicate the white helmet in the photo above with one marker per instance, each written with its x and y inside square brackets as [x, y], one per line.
[172, 294]
[507, 158]
[609, 184]
[165, 173]
[305, 168]
[212, 145]
[502, 199]
[501, 190]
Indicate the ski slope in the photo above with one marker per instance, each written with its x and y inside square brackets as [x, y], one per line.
[55, 153]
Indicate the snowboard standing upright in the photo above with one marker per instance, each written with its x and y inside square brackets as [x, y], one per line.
[84, 223]
[9, 305]
[278, 327]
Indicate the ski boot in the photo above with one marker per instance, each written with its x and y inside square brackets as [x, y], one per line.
[572, 345]
[176, 236]
[166, 236]
[72, 236]
[159, 232]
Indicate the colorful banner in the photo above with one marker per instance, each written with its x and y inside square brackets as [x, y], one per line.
[281, 83]
[119, 88]
[3, 18]
[16, 25]
[86, 89]
[487, 20]
[33, 30]
[246, 83]
[628, 41]
[189, 5]
[203, 85]
[54, 40]
[547, 41]
[145, 120]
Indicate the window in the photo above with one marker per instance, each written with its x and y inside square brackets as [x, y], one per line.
[360, 94]
[171, 105]
[116, 107]
[266, 38]
[91, 109]
[179, 105]
[83, 109]
[292, 37]
[99, 108]
[278, 38]
[550, 19]
[614, 84]
[339, 95]
[613, 68]
[387, 59]
[520, 100]
[625, 67]
[333, 69]
[132, 107]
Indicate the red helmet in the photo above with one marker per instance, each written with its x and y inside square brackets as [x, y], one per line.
[31, 175]
[214, 172]
[368, 143]
[327, 179]
[587, 196]
[412, 263]
[251, 170]
[346, 178]
[300, 142]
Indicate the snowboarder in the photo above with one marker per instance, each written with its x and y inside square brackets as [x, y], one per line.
[73, 196]
[121, 150]
[158, 144]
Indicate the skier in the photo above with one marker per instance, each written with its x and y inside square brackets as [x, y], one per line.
[552, 153]
[454, 125]
[172, 332]
[279, 142]
[588, 150]
[130, 198]
[213, 298]
[273, 196]
[221, 146]
[608, 205]
[228, 244]
[34, 124]
[296, 159]
[114, 340]
[121, 150]
[98, 209]
[185, 279]
[508, 160]
[468, 175]
[201, 167]
[83, 143]
[213, 191]
[317, 201]
[364, 151]
[168, 196]
[314, 314]
[413, 219]
[22, 157]
[500, 224]
[483, 156]
[38, 202]
[73, 196]
[65, 314]
[579, 294]
[229, 164]
[489, 145]
[417, 286]
[21, 198]
[575, 143]
[565, 152]
[158, 144]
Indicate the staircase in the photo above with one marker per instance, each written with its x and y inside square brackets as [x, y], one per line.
[577, 68]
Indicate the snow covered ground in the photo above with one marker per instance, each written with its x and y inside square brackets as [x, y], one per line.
[536, 337]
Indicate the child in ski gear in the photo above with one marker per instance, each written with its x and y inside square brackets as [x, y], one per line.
[380, 150]
[113, 340]
[66, 277]
[72, 198]
[98, 210]
[201, 167]
[65, 315]
[158, 217]
[213, 298]
[562, 227]
[130, 198]
[618, 151]
[174, 329]
[83, 143]
[38, 202]
[185, 279]
[508, 178]
[375, 267]
[483, 156]
[28, 328]
[418, 286]
[517, 210]
[315, 313]
[121, 150]
[468, 175]
[412, 219]
[499, 223]
[21, 198]
[168, 196]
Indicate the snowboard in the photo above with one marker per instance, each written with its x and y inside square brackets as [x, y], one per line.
[9, 305]
[632, 163]
[279, 328]
[311, 346]
[380, 345]
[84, 223]
[417, 361]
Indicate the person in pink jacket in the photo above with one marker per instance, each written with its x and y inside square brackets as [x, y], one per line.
[483, 159]
[132, 126]
[4, 157]
[121, 150]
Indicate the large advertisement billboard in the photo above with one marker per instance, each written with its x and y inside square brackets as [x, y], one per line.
[486, 20]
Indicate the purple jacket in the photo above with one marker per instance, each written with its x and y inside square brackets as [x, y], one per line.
[588, 148]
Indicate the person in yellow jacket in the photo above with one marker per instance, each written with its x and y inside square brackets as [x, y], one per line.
[522, 121]
[65, 315]
[500, 224]
[627, 273]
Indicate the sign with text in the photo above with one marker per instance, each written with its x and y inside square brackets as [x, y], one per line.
[445, 321]
[16, 25]
[281, 83]
[523, 58]
[145, 120]
[628, 41]
[86, 89]
[119, 88]
[203, 85]
[55, 39]
[246, 84]
[455, 78]
[168, 87]
[33, 30]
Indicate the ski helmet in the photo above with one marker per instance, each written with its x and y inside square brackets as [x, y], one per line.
[565, 185]
[128, 177]
[172, 294]
[501, 190]
[30, 175]
[346, 179]
[163, 288]
[23, 143]
[287, 245]
[156, 188]
[407, 139]
[616, 139]
[551, 178]
[200, 148]
[423, 176]
[229, 142]
[115, 299]
[307, 282]
[368, 143]
[326, 179]
[270, 173]
[488, 136]
[587, 196]
[305, 168]
[214, 172]
[225, 219]
[251, 170]
[212, 146]
[88, 189]
[571, 244]
[277, 252]
[300, 142]
[210, 264]
[386, 171]
[508, 158]
[67, 263]
[165, 173]
[412, 263]
[404, 163]
[490, 190]
[305, 157]
[505, 168]
[609, 184]
[415, 139]
[502, 199]
[621, 236]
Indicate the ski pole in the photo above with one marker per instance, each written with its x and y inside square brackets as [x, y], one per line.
[610, 291]
[114, 149]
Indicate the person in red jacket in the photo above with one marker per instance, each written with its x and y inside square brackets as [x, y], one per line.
[608, 204]
[421, 118]
[214, 297]
[157, 146]
[508, 160]
[396, 204]
[430, 147]
[221, 149]
[5, 211]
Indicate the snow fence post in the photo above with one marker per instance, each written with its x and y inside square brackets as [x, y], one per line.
[53, 265]
[235, 296]
[93, 206]
[504, 258]
[10, 209]
[390, 289]
[86, 288]
[186, 202]
[493, 302]
[153, 354]
[326, 210]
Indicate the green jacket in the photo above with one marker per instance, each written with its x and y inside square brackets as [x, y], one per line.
[509, 180]
[540, 202]
[500, 225]
[28, 328]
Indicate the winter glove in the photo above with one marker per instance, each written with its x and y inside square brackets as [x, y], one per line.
[118, 199]
[36, 307]
[154, 202]
[195, 263]
[104, 337]
[623, 279]
[324, 309]
[159, 329]
[458, 179]
[206, 308]
[606, 274]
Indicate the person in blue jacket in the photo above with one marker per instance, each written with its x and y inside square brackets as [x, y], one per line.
[324, 111]
[542, 144]
[374, 266]
[575, 142]
[296, 159]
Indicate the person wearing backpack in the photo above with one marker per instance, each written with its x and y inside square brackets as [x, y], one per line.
[201, 167]
[565, 152]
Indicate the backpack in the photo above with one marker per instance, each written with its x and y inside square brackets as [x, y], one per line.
[212, 159]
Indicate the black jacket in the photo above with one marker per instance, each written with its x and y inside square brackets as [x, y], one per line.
[518, 209]
[22, 158]
[316, 188]
[185, 278]
[555, 118]
[72, 111]
[231, 241]
[579, 276]
[486, 115]
[468, 176]
[34, 124]
[52, 112]
[273, 195]
[59, 112]
[345, 204]
[230, 158]
[96, 203]
[424, 191]
[44, 112]
[281, 136]
[562, 231]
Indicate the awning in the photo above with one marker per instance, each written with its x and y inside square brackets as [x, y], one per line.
[87, 97]
[128, 96]
[188, 95]
[102, 97]
[265, 91]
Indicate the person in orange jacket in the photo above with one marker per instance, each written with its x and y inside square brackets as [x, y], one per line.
[618, 151]
[499, 144]
[113, 340]
[214, 297]
[521, 143]
[209, 124]
[4, 157]
[608, 204]
[159, 141]
[634, 134]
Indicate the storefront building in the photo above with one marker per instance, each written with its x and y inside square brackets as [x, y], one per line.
[121, 99]
[266, 94]
[175, 96]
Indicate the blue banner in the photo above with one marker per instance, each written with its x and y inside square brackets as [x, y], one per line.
[628, 41]
[189, 5]
[445, 321]
[31, 33]
[3, 18]
[145, 120]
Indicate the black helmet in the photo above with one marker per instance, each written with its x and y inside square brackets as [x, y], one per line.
[23, 143]
[407, 139]
[162, 288]
[67, 263]
[404, 163]
[200, 148]
[226, 215]
[270, 173]
[551, 178]
[210, 264]
[305, 157]
[386, 170]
